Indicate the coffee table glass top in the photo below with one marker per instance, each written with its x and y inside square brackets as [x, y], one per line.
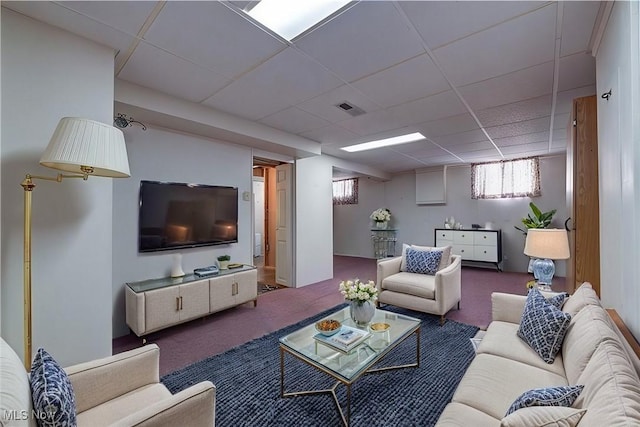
[349, 366]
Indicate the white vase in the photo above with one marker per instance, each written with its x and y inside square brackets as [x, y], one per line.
[362, 312]
[381, 225]
[176, 266]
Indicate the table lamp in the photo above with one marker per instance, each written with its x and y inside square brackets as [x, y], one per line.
[546, 245]
[82, 148]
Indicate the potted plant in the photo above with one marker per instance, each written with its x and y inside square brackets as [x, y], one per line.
[539, 219]
[223, 262]
[380, 217]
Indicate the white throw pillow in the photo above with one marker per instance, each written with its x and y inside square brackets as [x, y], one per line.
[444, 261]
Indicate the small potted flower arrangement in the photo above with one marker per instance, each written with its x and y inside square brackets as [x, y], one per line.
[381, 217]
[362, 296]
[223, 262]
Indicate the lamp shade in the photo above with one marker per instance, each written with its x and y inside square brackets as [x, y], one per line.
[547, 243]
[86, 146]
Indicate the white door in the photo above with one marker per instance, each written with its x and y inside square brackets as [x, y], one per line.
[284, 226]
[258, 215]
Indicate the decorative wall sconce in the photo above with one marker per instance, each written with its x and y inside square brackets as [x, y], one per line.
[122, 121]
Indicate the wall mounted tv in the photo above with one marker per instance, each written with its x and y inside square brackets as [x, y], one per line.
[177, 215]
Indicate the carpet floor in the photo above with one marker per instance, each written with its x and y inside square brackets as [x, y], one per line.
[247, 380]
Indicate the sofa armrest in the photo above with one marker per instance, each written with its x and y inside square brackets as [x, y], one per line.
[386, 268]
[507, 307]
[194, 406]
[448, 284]
[101, 380]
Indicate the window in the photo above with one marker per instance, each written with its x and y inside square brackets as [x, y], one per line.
[345, 192]
[506, 179]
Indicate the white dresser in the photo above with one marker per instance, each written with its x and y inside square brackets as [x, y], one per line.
[472, 245]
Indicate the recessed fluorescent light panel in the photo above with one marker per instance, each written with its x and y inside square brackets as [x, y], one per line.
[396, 140]
[290, 18]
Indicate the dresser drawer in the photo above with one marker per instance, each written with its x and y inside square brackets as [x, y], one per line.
[444, 236]
[465, 251]
[463, 237]
[485, 253]
[486, 238]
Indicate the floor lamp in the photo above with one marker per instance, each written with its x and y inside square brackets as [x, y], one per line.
[81, 147]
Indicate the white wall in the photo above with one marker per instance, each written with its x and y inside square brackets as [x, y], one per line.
[617, 69]
[314, 220]
[415, 223]
[161, 155]
[47, 74]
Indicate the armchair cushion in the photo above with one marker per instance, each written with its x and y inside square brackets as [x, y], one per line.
[419, 285]
[445, 259]
[51, 392]
[422, 262]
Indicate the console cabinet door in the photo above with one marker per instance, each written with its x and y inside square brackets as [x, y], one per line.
[194, 300]
[221, 293]
[247, 286]
[162, 308]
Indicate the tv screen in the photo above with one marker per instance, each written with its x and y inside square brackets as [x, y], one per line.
[176, 215]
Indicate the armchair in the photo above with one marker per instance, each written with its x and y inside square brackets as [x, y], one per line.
[120, 390]
[435, 294]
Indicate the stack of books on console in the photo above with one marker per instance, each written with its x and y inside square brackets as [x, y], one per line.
[346, 340]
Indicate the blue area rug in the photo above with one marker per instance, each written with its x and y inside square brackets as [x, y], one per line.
[247, 380]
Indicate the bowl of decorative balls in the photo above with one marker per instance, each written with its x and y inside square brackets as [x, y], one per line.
[328, 327]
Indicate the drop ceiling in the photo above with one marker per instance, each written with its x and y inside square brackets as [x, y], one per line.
[481, 80]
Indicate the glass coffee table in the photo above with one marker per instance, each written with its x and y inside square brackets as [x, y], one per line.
[347, 367]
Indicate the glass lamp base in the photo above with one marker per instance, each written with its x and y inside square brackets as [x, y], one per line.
[543, 270]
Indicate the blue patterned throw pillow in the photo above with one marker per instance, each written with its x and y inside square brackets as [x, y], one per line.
[558, 300]
[423, 262]
[51, 392]
[543, 326]
[550, 396]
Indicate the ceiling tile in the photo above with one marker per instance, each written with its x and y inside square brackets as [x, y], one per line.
[331, 135]
[434, 107]
[463, 149]
[156, 69]
[519, 128]
[488, 155]
[408, 81]
[324, 105]
[372, 123]
[127, 16]
[65, 18]
[522, 42]
[561, 121]
[212, 35]
[446, 159]
[576, 71]
[517, 86]
[448, 125]
[367, 38]
[440, 22]
[294, 120]
[419, 149]
[460, 138]
[564, 100]
[284, 80]
[522, 139]
[538, 147]
[517, 112]
[578, 20]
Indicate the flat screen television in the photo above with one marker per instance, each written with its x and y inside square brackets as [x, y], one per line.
[178, 215]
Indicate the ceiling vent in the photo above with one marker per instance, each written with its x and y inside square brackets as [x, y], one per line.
[351, 109]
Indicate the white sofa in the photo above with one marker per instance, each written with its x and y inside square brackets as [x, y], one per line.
[593, 354]
[435, 294]
[120, 390]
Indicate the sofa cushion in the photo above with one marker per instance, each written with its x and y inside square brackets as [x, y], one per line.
[51, 391]
[492, 383]
[588, 328]
[445, 260]
[422, 262]
[546, 396]
[420, 285]
[501, 339]
[543, 326]
[459, 415]
[15, 392]
[544, 416]
[611, 388]
[581, 297]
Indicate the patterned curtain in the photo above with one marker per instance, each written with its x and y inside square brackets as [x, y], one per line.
[345, 192]
[506, 179]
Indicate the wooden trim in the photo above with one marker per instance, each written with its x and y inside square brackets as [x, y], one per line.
[633, 343]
